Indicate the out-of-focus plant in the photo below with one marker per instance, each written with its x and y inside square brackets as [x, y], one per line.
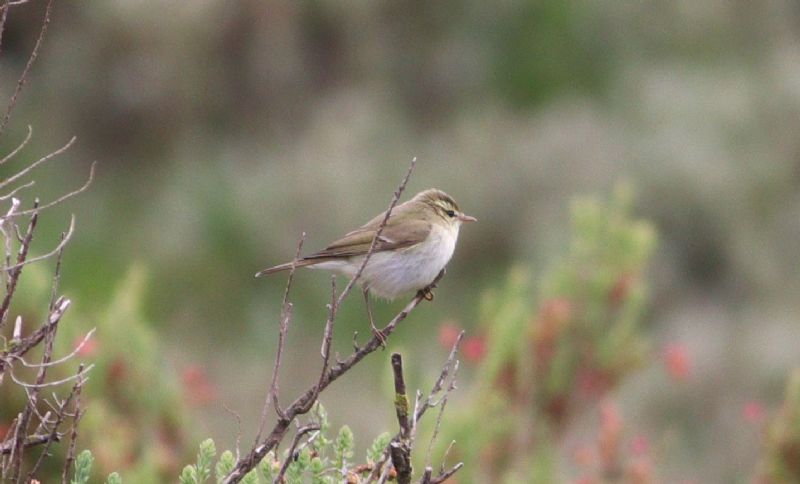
[550, 355]
[610, 459]
[781, 460]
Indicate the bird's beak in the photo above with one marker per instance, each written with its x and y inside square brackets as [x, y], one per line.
[467, 218]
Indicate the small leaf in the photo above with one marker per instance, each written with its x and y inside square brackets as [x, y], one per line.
[83, 467]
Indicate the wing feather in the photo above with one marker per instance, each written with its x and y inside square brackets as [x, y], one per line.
[398, 234]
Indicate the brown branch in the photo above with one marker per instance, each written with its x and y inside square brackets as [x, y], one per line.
[304, 402]
[3, 19]
[400, 396]
[290, 457]
[447, 474]
[67, 196]
[31, 441]
[36, 163]
[13, 275]
[378, 233]
[286, 316]
[64, 239]
[31, 60]
[23, 346]
[401, 448]
[61, 415]
[19, 147]
[77, 413]
[30, 407]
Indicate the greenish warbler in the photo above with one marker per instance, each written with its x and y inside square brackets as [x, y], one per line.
[415, 245]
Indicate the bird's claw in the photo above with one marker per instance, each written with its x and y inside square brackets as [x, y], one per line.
[426, 293]
[381, 337]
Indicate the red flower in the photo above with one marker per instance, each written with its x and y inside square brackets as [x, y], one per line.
[753, 412]
[474, 348]
[640, 446]
[677, 361]
[197, 387]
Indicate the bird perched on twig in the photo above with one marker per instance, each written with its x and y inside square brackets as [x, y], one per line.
[414, 246]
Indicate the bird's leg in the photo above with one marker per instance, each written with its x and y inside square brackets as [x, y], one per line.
[375, 330]
[427, 291]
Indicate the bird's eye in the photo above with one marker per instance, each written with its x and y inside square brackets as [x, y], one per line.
[450, 213]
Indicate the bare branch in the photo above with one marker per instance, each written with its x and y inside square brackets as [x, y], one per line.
[31, 441]
[286, 315]
[62, 359]
[36, 163]
[17, 189]
[61, 414]
[400, 448]
[67, 196]
[31, 60]
[18, 148]
[52, 383]
[53, 252]
[13, 275]
[447, 474]
[73, 434]
[290, 458]
[304, 402]
[3, 18]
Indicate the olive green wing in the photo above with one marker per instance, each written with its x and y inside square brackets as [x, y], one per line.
[397, 235]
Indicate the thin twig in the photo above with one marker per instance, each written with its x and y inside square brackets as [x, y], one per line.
[73, 434]
[13, 275]
[3, 18]
[30, 441]
[447, 474]
[31, 60]
[54, 436]
[290, 457]
[327, 339]
[33, 339]
[238, 426]
[373, 245]
[17, 189]
[286, 315]
[20, 146]
[36, 163]
[67, 196]
[53, 252]
[51, 383]
[305, 401]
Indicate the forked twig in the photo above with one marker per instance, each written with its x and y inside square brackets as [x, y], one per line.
[303, 403]
[286, 316]
[31, 60]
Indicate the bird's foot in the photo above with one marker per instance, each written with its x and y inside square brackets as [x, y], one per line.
[426, 293]
[379, 334]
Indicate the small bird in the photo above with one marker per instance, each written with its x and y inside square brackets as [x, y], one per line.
[416, 243]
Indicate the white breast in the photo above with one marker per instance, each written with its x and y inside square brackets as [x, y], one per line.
[392, 273]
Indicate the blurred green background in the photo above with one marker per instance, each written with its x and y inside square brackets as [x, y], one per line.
[225, 129]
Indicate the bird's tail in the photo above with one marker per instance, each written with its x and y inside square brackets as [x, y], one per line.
[287, 266]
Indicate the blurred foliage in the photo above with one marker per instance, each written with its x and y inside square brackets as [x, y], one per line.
[781, 458]
[548, 356]
[225, 129]
[135, 420]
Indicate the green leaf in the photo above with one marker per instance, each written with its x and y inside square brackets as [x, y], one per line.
[225, 465]
[189, 475]
[343, 448]
[114, 478]
[269, 467]
[204, 458]
[83, 467]
[375, 450]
